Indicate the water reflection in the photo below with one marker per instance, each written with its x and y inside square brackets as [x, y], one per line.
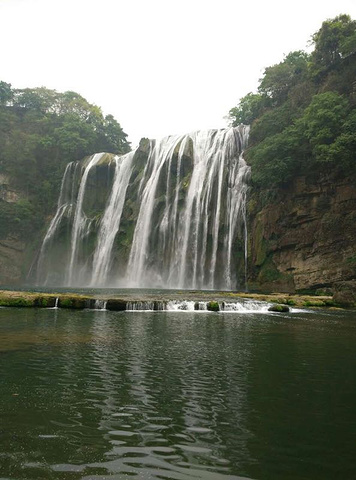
[100, 394]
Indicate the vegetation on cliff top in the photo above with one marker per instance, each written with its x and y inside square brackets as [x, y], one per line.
[41, 131]
[303, 116]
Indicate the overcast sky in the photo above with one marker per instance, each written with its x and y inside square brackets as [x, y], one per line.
[160, 67]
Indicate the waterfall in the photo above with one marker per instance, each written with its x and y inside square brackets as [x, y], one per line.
[172, 214]
[160, 155]
[111, 220]
[65, 202]
[236, 209]
[80, 219]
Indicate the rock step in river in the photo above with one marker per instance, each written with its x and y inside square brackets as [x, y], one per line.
[181, 301]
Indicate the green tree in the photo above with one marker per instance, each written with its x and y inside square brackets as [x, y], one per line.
[335, 40]
[279, 79]
[6, 93]
[111, 136]
[341, 153]
[40, 99]
[322, 122]
[249, 108]
[271, 122]
[303, 116]
[275, 160]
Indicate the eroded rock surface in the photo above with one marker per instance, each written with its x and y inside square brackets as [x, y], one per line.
[305, 239]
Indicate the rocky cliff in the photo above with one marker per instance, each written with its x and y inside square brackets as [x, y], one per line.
[305, 238]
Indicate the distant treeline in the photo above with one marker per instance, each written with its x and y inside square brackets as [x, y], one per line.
[41, 131]
[303, 116]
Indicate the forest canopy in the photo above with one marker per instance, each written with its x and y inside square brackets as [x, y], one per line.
[303, 115]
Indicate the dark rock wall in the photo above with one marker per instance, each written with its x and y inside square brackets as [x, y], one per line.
[305, 238]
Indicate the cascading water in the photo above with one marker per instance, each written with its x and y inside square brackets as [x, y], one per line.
[235, 212]
[171, 214]
[159, 157]
[111, 220]
[80, 221]
[64, 206]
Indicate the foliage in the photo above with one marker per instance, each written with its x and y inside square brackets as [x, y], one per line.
[303, 117]
[275, 158]
[322, 122]
[279, 79]
[41, 131]
[20, 218]
[249, 108]
[6, 93]
[335, 40]
[271, 122]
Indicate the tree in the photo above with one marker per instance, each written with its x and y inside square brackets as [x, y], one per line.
[280, 78]
[335, 40]
[322, 121]
[249, 108]
[276, 159]
[6, 93]
[342, 153]
[112, 137]
[39, 99]
[303, 116]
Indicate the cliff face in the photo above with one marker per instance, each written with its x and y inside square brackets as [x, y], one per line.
[12, 257]
[11, 247]
[304, 239]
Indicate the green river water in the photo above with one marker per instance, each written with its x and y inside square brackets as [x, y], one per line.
[177, 395]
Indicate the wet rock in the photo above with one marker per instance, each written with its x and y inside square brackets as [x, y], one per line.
[277, 307]
[116, 304]
[72, 302]
[45, 301]
[213, 306]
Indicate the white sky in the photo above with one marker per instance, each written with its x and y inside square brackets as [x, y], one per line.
[160, 67]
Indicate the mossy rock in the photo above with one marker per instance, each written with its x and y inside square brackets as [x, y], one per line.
[277, 307]
[329, 302]
[17, 302]
[44, 302]
[324, 292]
[213, 306]
[72, 302]
[314, 303]
[260, 247]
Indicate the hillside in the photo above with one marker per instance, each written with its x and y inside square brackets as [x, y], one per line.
[302, 152]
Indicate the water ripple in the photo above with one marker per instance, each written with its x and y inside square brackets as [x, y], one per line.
[155, 396]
